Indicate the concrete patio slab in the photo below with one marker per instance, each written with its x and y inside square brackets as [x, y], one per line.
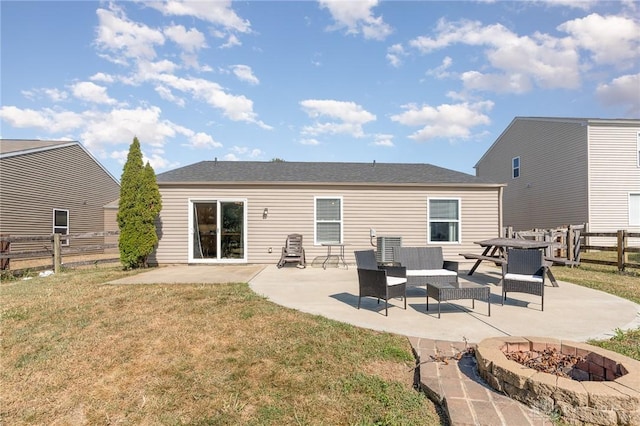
[190, 274]
[571, 311]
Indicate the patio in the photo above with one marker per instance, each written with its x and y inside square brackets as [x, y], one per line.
[571, 311]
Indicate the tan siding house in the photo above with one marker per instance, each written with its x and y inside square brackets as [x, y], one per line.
[570, 171]
[230, 212]
[52, 186]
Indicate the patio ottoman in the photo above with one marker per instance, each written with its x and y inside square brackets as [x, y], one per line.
[443, 292]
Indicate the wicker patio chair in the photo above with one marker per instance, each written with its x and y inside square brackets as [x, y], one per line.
[524, 272]
[293, 252]
[386, 282]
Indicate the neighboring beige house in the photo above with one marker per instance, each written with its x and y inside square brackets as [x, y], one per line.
[242, 212]
[52, 186]
[562, 171]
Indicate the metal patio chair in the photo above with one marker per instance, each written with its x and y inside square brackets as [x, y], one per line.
[524, 272]
[385, 282]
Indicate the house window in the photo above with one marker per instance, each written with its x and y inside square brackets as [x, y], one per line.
[328, 220]
[61, 223]
[634, 209]
[444, 220]
[638, 148]
[515, 167]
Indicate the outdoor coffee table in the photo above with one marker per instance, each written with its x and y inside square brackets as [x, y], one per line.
[443, 292]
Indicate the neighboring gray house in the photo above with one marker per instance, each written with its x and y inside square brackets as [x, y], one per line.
[562, 171]
[52, 186]
[242, 212]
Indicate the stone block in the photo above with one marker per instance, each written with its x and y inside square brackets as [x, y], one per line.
[486, 355]
[543, 384]
[568, 349]
[519, 394]
[629, 398]
[571, 392]
[602, 396]
[629, 418]
[511, 372]
[587, 415]
[494, 382]
[542, 343]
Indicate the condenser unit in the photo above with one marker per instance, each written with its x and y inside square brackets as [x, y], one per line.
[384, 248]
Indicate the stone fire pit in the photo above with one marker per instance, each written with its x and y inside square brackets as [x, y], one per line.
[608, 394]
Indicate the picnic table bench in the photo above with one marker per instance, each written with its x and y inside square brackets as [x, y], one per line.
[495, 251]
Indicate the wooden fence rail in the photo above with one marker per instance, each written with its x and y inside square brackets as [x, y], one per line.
[622, 248]
[568, 243]
[56, 250]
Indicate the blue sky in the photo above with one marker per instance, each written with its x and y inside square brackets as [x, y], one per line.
[408, 82]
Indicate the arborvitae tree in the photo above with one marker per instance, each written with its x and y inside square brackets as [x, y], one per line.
[138, 208]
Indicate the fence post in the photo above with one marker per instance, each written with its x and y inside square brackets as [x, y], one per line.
[622, 253]
[57, 250]
[569, 242]
[5, 248]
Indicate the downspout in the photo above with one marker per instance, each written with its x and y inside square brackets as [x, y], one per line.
[500, 224]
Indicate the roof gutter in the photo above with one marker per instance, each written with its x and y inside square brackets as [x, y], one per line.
[384, 184]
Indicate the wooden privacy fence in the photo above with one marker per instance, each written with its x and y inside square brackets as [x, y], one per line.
[568, 243]
[52, 247]
[622, 248]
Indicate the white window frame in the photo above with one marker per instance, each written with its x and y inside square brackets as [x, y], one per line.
[514, 168]
[315, 218]
[65, 242]
[458, 221]
[191, 225]
[638, 148]
[634, 220]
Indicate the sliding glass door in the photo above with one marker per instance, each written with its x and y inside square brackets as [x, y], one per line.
[217, 231]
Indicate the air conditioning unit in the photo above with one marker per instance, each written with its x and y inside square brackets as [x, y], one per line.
[384, 248]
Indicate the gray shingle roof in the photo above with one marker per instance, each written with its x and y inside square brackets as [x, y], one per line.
[316, 172]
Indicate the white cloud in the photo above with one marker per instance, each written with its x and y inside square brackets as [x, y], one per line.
[202, 140]
[245, 73]
[91, 92]
[549, 62]
[356, 17]
[236, 108]
[46, 119]
[166, 94]
[622, 91]
[189, 40]
[309, 141]
[441, 71]
[395, 53]
[55, 95]
[218, 12]
[444, 121]
[243, 151]
[102, 77]
[501, 83]
[349, 115]
[119, 35]
[232, 41]
[611, 40]
[383, 140]
[576, 4]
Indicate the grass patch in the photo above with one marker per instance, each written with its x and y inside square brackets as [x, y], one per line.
[77, 351]
[607, 278]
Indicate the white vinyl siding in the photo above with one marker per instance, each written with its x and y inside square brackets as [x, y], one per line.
[551, 189]
[328, 220]
[391, 211]
[33, 184]
[444, 220]
[613, 175]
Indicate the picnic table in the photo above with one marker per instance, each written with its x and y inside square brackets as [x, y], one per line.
[495, 250]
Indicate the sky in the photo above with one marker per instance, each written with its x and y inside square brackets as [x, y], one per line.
[432, 82]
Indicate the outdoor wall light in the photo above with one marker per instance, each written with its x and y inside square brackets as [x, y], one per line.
[265, 213]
